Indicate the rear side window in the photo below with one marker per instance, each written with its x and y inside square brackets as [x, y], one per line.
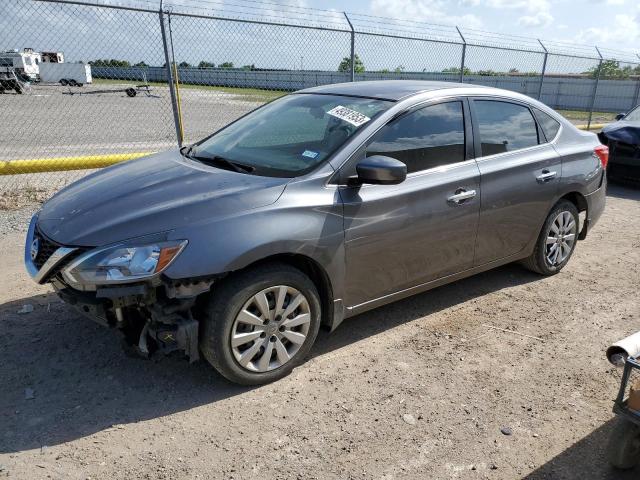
[430, 137]
[504, 126]
[549, 125]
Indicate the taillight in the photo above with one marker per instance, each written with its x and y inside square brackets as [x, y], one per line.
[602, 152]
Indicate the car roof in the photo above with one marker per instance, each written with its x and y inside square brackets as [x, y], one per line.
[389, 89]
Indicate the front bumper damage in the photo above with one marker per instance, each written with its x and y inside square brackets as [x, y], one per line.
[154, 317]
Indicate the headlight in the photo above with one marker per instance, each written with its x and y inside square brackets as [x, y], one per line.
[122, 263]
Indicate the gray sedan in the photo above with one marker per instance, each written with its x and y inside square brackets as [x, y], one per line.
[313, 208]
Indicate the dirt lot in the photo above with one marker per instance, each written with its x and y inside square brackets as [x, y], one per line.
[73, 406]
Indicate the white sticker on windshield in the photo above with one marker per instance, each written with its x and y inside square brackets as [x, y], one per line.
[348, 115]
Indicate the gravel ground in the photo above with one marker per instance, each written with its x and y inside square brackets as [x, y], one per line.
[417, 389]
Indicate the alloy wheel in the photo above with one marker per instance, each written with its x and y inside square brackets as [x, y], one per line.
[560, 238]
[270, 328]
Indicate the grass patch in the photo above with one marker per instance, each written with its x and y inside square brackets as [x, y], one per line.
[243, 94]
[598, 117]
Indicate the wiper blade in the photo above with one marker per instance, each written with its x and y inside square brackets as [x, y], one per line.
[221, 161]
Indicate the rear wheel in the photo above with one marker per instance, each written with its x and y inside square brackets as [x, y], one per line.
[260, 324]
[557, 240]
[64, 82]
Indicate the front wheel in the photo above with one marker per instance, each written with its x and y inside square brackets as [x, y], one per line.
[260, 324]
[557, 240]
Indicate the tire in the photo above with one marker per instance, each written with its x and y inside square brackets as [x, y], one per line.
[131, 92]
[73, 83]
[64, 82]
[539, 260]
[228, 307]
[623, 450]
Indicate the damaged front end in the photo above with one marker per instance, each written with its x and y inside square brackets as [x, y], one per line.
[122, 286]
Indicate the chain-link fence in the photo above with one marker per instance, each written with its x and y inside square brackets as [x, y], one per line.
[163, 74]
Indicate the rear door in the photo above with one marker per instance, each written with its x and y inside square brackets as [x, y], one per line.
[399, 236]
[520, 174]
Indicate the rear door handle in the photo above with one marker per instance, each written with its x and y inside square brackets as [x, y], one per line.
[461, 195]
[545, 176]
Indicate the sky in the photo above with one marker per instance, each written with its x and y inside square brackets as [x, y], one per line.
[87, 33]
[607, 23]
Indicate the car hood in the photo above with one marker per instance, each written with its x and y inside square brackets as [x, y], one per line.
[625, 132]
[153, 194]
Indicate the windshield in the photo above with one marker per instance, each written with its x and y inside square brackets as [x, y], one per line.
[290, 136]
[633, 115]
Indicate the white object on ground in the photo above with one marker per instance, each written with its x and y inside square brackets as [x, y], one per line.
[627, 347]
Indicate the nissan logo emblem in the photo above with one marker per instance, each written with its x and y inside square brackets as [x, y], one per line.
[35, 248]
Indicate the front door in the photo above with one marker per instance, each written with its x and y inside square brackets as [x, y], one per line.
[400, 236]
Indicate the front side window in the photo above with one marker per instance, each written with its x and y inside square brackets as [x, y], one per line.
[292, 135]
[430, 137]
[504, 126]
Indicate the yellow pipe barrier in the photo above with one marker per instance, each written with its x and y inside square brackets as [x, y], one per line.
[594, 126]
[59, 164]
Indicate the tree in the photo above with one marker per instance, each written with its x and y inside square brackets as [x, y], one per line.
[226, 65]
[611, 69]
[487, 73]
[456, 70]
[399, 69]
[109, 63]
[345, 65]
[514, 70]
[203, 64]
[248, 67]
[184, 65]
[140, 64]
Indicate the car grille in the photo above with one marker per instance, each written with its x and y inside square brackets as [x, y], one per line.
[46, 249]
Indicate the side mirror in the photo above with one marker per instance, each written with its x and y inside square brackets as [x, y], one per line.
[381, 170]
[620, 116]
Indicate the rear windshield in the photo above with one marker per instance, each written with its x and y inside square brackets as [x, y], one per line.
[292, 135]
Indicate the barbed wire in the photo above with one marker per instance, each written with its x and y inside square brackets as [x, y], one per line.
[267, 11]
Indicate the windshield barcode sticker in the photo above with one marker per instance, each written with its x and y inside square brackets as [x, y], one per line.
[348, 115]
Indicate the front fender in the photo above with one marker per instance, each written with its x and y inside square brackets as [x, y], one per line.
[309, 225]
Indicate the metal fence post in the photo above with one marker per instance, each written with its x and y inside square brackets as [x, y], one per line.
[353, 48]
[636, 96]
[464, 54]
[595, 89]
[172, 93]
[544, 68]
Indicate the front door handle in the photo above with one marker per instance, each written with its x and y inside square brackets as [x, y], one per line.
[461, 195]
[545, 176]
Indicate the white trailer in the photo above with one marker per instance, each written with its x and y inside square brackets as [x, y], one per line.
[25, 63]
[74, 74]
